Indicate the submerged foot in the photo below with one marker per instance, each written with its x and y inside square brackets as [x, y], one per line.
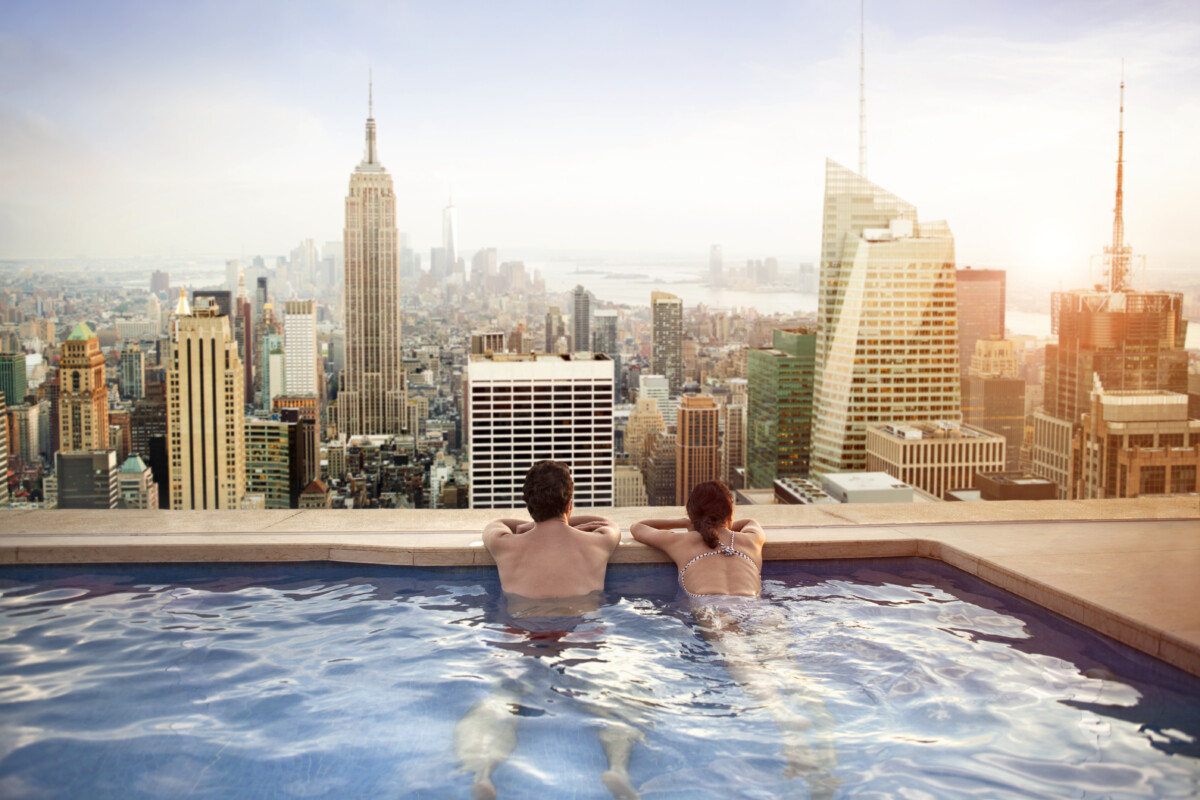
[483, 789]
[822, 785]
[801, 760]
[618, 783]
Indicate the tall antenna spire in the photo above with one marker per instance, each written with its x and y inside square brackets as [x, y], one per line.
[370, 158]
[1119, 255]
[862, 91]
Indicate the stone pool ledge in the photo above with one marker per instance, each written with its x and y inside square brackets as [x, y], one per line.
[1127, 568]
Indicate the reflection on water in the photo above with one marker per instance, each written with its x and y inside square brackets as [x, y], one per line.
[345, 681]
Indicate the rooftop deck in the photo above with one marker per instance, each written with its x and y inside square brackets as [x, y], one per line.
[1127, 568]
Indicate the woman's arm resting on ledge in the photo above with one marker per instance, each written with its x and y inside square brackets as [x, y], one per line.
[655, 531]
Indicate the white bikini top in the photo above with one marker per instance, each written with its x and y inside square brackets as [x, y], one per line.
[722, 549]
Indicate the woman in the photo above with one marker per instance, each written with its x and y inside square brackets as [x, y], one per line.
[715, 556]
[720, 566]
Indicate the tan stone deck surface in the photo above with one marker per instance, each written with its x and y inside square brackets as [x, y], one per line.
[1127, 568]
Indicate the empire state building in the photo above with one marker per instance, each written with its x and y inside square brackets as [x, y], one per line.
[372, 393]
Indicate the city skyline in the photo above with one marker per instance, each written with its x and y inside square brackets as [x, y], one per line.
[576, 128]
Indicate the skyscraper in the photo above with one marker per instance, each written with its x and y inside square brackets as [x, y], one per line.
[666, 339]
[1112, 339]
[300, 348]
[12, 377]
[993, 397]
[716, 266]
[83, 397]
[205, 414]
[133, 372]
[3, 451]
[887, 334]
[450, 238]
[522, 409]
[556, 328]
[372, 397]
[232, 274]
[779, 412]
[581, 320]
[696, 445]
[981, 306]
[267, 468]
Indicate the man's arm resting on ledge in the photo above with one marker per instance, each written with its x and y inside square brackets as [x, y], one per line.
[594, 524]
[498, 528]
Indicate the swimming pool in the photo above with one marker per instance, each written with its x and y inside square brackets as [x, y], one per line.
[324, 680]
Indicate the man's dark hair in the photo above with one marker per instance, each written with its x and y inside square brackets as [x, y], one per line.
[548, 490]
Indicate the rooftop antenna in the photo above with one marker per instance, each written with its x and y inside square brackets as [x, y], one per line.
[370, 93]
[862, 93]
[1119, 254]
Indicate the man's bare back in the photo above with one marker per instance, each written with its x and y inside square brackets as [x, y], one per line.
[558, 557]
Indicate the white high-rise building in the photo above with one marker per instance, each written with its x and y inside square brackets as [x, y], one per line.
[300, 348]
[372, 397]
[887, 336]
[525, 408]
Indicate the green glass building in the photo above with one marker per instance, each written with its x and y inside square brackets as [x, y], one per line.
[12, 378]
[780, 400]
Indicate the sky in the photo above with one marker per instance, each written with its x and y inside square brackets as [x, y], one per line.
[230, 129]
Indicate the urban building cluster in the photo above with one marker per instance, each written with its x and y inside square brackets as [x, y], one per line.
[352, 377]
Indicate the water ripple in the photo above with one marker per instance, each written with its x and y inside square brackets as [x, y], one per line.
[888, 679]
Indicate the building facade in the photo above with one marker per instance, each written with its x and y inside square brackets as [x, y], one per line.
[267, 462]
[205, 414]
[697, 456]
[13, 383]
[630, 489]
[666, 339]
[87, 480]
[301, 360]
[981, 307]
[581, 320]
[3, 452]
[521, 409]
[135, 485]
[887, 335]
[82, 396]
[934, 457]
[372, 396]
[994, 396]
[1135, 444]
[133, 372]
[779, 414]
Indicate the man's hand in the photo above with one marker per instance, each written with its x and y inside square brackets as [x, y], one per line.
[595, 524]
[524, 527]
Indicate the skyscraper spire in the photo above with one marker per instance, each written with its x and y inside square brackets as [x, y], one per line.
[370, 162]
[862, 92]
[1119, 254]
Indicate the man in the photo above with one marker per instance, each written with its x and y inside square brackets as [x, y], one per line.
[556, 555]
[552, 573]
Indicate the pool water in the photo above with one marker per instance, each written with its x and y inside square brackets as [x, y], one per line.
[320, 680]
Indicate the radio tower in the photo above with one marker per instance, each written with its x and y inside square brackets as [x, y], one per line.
[1119, 256]
[862, 92]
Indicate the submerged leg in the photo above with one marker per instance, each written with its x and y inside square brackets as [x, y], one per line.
[756, 658]
[617, 738]
[486, 736]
